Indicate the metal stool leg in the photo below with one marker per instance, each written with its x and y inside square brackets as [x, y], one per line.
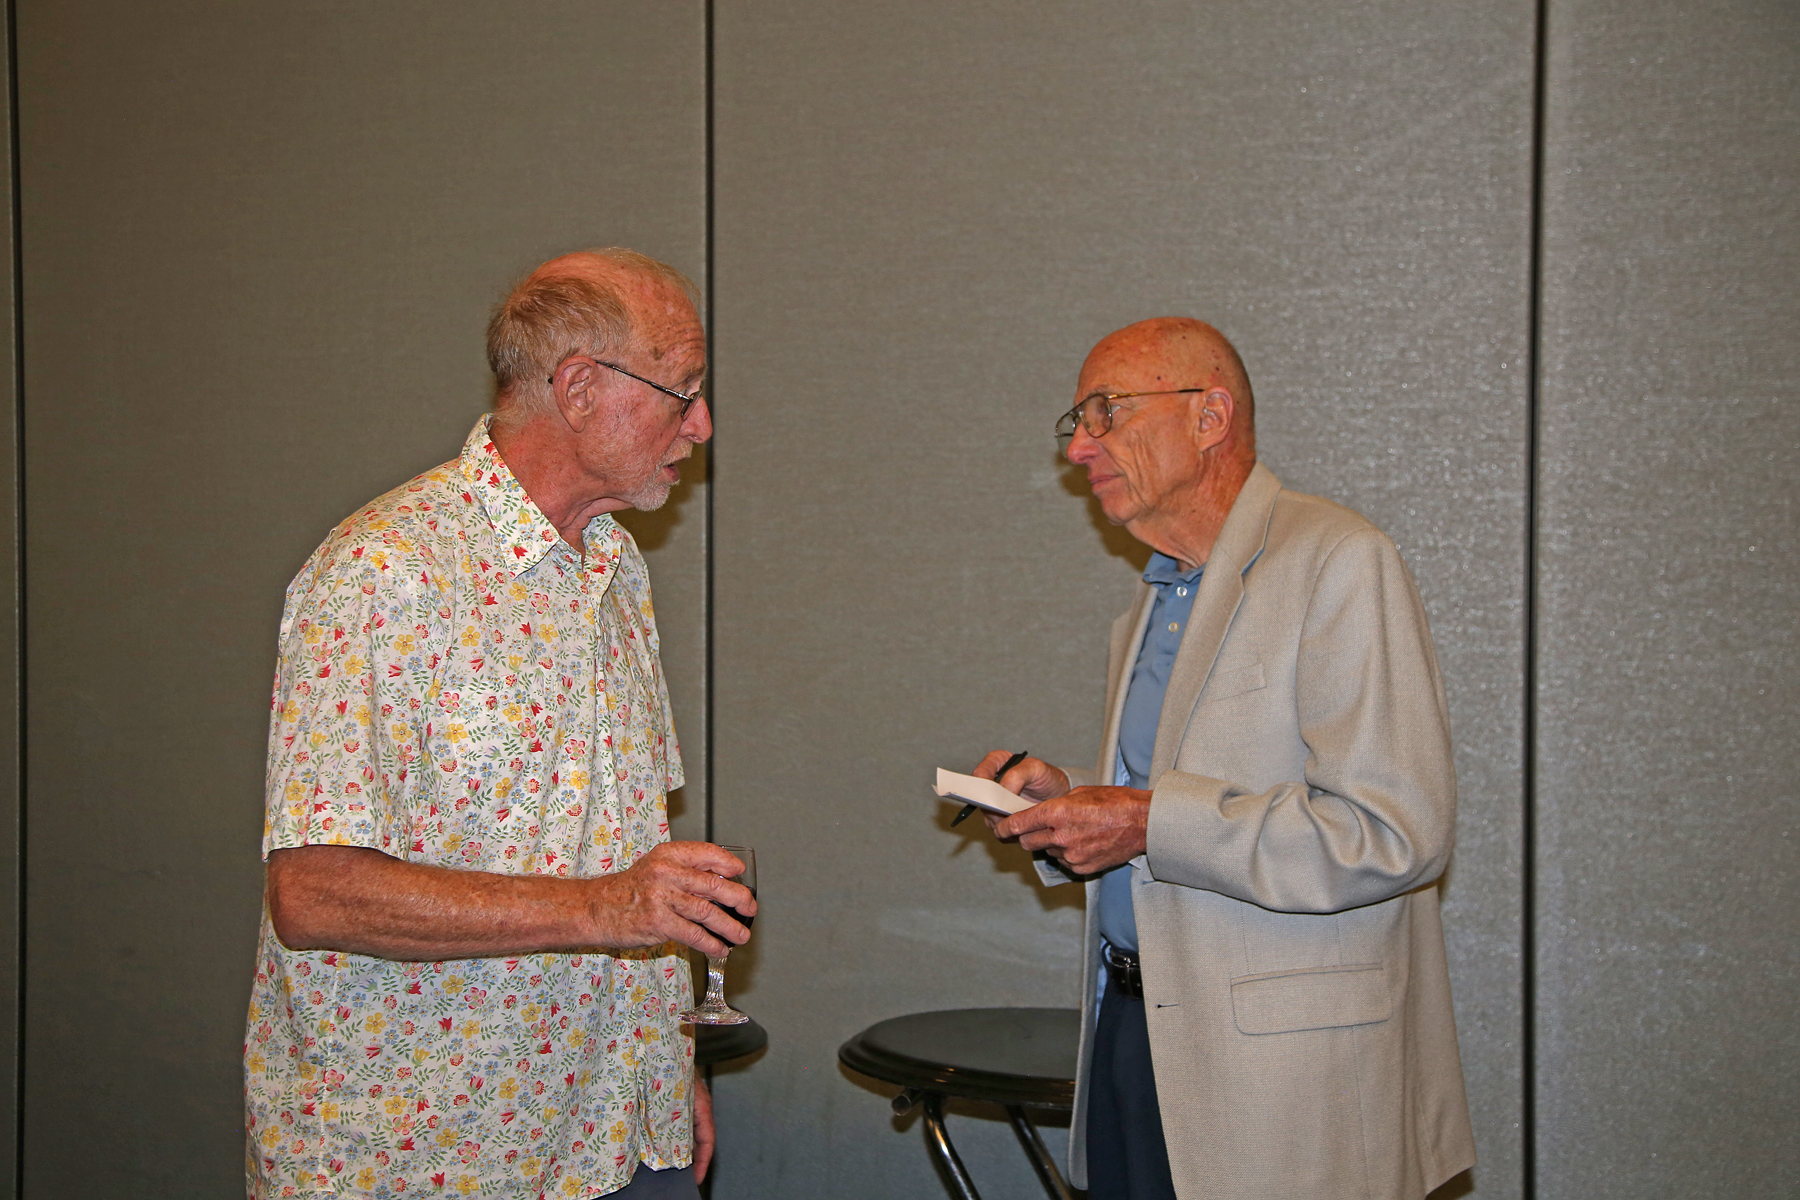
[1041, 1162]
[937, 1140]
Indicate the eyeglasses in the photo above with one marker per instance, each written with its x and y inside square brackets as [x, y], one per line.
[687, 400]
[1095, 413]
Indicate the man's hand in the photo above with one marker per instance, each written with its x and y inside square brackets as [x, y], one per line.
[673, 893]
[1088, 830]
[1033, 778]
[703, 1128]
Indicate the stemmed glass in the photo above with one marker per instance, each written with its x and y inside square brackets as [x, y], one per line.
[713, 1010]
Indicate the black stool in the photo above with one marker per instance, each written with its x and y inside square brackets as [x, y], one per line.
[715, 1044]
[1018, 1058]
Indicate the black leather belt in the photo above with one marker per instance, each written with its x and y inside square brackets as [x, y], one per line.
[1122, 971]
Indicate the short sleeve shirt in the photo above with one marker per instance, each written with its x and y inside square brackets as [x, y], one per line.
[458, 686]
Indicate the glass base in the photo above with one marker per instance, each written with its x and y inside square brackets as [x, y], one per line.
[712, 1009]
[725, 1015]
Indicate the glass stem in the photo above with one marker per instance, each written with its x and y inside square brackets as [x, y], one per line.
[715, 982]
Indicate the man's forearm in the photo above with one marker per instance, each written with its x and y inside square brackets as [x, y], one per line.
[363, 901]
[366, 902]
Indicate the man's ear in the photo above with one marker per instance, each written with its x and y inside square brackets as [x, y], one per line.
[575, 389]
[1217, 409]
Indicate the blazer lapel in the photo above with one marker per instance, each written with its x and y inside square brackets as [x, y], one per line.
[1239, 543]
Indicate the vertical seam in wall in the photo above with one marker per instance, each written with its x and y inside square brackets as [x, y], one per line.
[712, 453]
[1528, 773]
[17, 832]
[708, 742]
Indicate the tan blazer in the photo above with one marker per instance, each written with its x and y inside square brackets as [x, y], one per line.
[1303, 808]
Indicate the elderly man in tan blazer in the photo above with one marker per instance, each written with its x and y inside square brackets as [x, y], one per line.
[1272, 808]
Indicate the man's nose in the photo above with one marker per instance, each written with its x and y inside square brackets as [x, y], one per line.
[697, 425]
[1081, 445]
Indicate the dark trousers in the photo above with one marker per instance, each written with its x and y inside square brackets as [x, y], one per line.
[1126, 1157]
[676, 1183]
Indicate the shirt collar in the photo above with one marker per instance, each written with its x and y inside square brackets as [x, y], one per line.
[525, 534]
[1164, 570]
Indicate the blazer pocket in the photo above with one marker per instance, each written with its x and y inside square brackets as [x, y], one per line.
[1313, 998]
[1225, 684]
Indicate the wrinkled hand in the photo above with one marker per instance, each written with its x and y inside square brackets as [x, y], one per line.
[673, 893]
[1088, 830]
[704, 1137]
[1033, 778]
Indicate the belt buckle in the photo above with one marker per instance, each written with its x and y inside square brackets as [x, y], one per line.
[1124, 969]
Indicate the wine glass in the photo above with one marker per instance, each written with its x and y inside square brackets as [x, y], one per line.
[713, 1010]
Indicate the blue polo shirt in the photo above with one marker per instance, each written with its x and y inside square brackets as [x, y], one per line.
[1169, 614]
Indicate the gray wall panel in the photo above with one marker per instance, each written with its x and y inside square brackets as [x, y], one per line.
[1668, 1057]
[260, 247]
[10, 973]
[264, 241]
[925, 215]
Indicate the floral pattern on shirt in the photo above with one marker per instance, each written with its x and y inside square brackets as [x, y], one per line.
[457, 686]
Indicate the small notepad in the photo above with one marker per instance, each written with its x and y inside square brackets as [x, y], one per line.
[983, 793]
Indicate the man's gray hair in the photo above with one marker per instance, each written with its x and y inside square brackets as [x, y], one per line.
[546, 318]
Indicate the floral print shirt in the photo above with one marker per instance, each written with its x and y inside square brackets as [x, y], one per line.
[457, 686]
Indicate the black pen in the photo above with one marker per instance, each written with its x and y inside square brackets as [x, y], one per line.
[1008, 765]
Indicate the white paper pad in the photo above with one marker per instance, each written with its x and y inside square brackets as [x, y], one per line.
[983, 793]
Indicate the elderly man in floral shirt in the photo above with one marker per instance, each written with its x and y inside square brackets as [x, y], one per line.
[468, 980]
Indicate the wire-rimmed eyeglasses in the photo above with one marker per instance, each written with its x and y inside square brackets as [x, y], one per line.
[1095, 413]
[687, 399]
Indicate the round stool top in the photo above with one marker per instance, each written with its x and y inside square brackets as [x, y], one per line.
[1002, 1055]
[722, 1043]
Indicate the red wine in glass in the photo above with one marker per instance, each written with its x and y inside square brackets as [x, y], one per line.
[745, 921]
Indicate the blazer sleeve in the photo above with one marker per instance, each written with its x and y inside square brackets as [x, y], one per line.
[1375, 813]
